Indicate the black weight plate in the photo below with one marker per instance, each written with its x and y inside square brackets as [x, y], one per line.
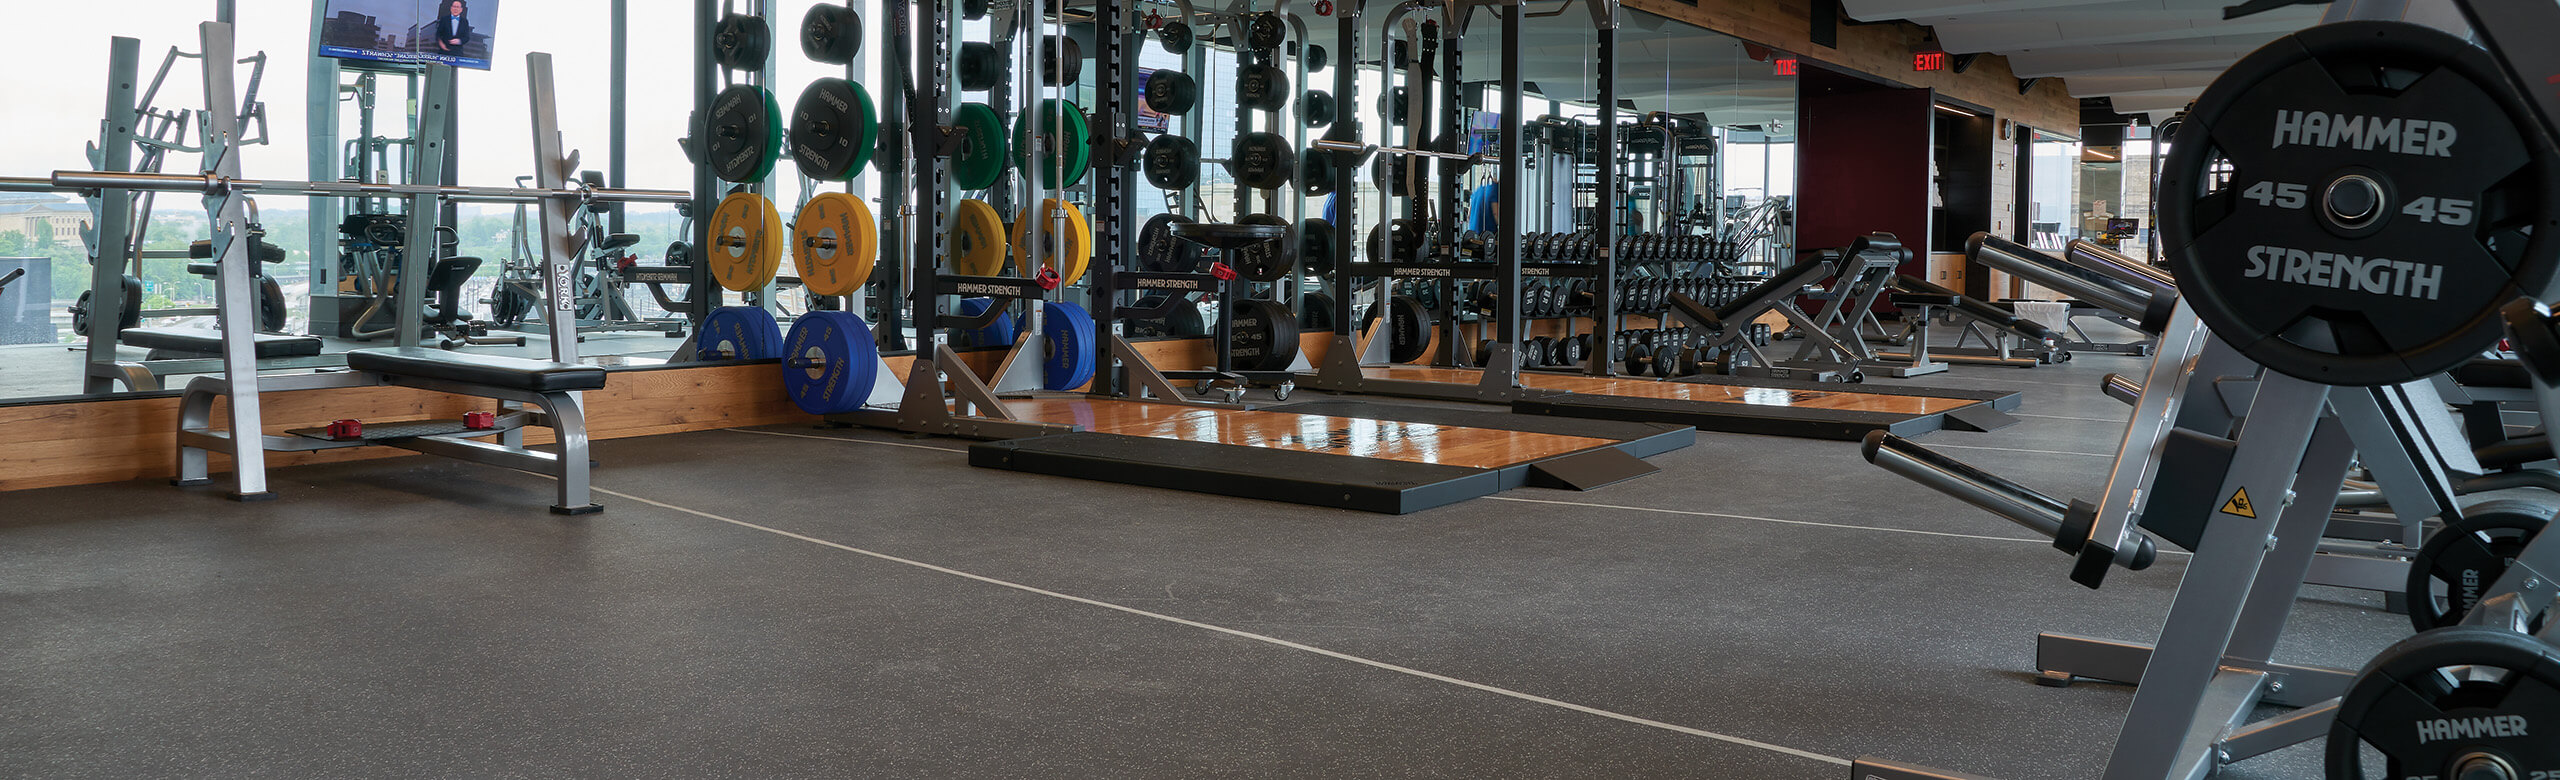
[1160, 252]
[2472, 697]
[1408, 329]
[1395, 103]
[2276, 261]
[1182, 320]
[1314, 57]
[981, 66]
[1262, 161]
[1316, 174]
[2453, 570]
[1262, 87]
[1175, 36]
[1172, 92]
[741, 42]
[1315, 312]
[1062, 60]
[1315, 108]
[830, 33]
[973, 10]
[1171, 162]
[740, 134]
[1269, 260]
[1315, 245]
[831, 129]
[1265, 32]
[1263, 335]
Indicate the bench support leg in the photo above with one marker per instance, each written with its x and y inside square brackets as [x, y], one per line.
[569, 422]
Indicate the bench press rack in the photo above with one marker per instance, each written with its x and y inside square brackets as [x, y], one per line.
[531, 392]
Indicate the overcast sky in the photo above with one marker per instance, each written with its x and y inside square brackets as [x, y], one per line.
[56, 90]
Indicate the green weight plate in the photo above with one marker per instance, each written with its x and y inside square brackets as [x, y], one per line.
[1069, 153]
[982, 159]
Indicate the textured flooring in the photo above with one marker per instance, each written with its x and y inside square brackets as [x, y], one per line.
[798, 602]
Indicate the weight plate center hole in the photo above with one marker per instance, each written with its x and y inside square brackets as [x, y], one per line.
[2354, 200]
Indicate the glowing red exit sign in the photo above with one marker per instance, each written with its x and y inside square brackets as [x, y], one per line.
[1783, 66]
[1929, 60]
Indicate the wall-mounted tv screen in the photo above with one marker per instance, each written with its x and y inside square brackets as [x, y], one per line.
[453, 32]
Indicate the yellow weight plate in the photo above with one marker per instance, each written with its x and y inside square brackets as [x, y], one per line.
[1069, 255]
[833, 244]
[746, 242]
[976, 240]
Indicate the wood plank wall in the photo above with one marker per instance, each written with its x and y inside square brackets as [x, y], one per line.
[80, 442]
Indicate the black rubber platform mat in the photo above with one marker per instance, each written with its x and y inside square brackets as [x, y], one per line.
[1798, 422]
[1641, 439]
[1295, 476]
[2003, 400]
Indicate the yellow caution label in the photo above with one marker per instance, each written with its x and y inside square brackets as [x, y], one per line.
[2239, 504]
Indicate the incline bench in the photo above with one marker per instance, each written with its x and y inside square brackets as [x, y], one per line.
[1729, 326]
[2007, 339]
[531, 392]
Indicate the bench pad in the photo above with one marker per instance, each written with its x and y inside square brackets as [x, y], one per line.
[541, 376]
[209, 341]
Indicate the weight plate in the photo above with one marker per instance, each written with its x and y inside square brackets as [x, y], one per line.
[738, 333]
[1171, 162]
[973, 10]
[1316, 108]
[1262, 87]
[1316, 174]
[976, 240]
[1315, 245]
[1059, 71]
[1069, 333]
[830, 362]
[744, 134]
[2433, 705]
[2382, 199]
[2455, 568]
[1314, 57]
[1266, 261]
[1315, 312]
[1175, 36]
[1262, 161]
[831, 34]
[981, 160]
[981, 66]
[1160, 252]
[1065, 143]
[1172, 92]
[1000, 333]
[1180, 319]
[1265, 32]
[833, 129]
[746, 242]
[1068, 253]
[1262, 336]
[833, 244]
[741, 42]
[1408, 329]
[891, 148]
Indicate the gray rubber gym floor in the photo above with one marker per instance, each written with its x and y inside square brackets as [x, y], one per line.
[802, 602]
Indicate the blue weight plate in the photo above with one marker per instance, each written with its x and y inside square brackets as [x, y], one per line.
[1069, 331]
[830, 362]
[1000, 333]
[739, 333]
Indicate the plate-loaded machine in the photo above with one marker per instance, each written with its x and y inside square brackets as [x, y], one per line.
[531, 392]
[2473, 693]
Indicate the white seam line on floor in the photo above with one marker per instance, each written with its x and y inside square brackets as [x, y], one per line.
[2081, 385]
[1935, 445]
[1336, 655]
[844, 439]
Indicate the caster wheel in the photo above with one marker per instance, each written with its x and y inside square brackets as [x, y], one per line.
[1235, 396]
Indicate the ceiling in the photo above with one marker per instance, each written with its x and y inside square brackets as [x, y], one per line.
[2145, 56]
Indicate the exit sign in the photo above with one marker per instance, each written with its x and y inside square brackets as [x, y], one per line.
[1929, 61]
[1783, 66]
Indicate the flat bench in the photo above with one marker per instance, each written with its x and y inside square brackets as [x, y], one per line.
[531, 393]
[2006, 338]
[207, 342]
[1729, 326]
